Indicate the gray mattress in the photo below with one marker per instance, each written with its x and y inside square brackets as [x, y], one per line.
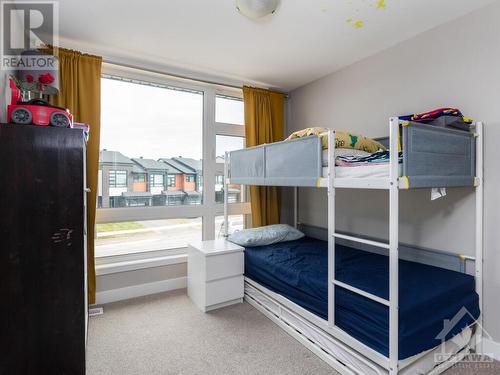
[432, 157]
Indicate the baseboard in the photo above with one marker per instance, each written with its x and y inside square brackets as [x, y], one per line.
[140, 290]
[491, 348]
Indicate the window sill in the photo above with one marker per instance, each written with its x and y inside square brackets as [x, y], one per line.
[110, 267]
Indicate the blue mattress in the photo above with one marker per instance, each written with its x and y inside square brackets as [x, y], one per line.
[428, 295]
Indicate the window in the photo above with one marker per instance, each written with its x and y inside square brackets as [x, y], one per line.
[139, 177]
[129, 237]
[117, 179]
[171, 180]
[223, 144]
[235, 223]
[156, 180]
[229, 110]
[160, 133]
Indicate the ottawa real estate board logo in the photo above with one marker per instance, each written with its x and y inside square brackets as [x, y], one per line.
[456, 349]
[27, 27]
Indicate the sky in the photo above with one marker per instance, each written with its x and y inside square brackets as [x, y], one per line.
[139, 120]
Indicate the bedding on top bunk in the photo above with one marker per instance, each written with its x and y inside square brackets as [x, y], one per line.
[351, 150]
[428, 295]
[347, 158]
[343, 139]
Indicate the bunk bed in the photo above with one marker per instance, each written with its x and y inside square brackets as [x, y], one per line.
[363, 304]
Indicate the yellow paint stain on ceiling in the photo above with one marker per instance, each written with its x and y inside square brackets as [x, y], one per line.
[381, 4]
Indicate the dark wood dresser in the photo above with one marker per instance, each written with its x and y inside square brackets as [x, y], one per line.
[43, 288]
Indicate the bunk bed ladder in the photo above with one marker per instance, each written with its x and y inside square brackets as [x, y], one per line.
[393, 246]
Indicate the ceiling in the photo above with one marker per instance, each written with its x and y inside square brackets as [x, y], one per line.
[303, 41]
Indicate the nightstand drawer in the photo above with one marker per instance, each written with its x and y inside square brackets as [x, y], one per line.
[219, 291]
[224, 265]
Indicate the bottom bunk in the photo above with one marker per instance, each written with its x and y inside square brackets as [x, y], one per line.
[342, 357]
[297, 270]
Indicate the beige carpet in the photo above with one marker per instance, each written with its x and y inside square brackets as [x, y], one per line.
[166, 334]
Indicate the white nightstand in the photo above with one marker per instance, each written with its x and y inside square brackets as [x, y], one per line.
[215, 274]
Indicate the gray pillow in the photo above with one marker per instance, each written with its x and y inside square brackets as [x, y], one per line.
[266, 235]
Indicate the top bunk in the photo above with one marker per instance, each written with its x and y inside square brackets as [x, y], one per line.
[430, 157]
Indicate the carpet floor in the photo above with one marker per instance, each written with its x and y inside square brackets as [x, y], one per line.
[166, 334]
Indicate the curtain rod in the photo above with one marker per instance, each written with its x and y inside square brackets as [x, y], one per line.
[180, 76]
[174, 75]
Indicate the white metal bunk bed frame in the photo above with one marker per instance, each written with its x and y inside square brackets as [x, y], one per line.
[393, 184]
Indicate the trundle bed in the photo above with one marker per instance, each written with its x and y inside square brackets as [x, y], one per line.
[368, 306]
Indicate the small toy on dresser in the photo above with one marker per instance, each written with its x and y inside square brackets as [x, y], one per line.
[36, 111]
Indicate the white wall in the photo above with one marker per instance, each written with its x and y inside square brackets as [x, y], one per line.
[130, 284]
[457, 64]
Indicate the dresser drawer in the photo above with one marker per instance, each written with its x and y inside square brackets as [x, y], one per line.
[224, 265]
[219, 291]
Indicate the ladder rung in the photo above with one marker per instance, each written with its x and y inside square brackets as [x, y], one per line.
[362, 240]
[362, 292]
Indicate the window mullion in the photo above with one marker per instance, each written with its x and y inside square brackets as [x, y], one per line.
[209, 165]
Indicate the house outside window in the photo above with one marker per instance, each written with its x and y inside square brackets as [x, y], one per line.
[190, 178]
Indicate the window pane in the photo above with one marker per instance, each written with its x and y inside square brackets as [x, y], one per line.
[229, 110]
[235, 191]
[149, 235]
[151, 139]
[225, 144]
[235, 222]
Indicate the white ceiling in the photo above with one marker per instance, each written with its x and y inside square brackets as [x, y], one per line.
[303, 41]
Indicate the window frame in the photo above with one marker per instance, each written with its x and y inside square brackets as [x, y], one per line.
[114, 173]
[208, 209]
[154, 183]
[136, 180]
[171, 180]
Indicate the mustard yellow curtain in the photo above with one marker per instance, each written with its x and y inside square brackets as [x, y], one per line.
[80, 92]
[264, 123]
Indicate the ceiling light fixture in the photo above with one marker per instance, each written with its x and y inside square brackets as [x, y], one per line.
[256, 9]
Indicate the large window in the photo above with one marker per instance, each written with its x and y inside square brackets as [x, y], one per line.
[163, 134]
